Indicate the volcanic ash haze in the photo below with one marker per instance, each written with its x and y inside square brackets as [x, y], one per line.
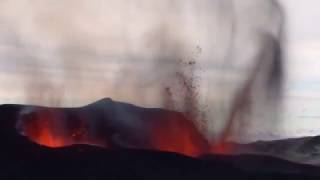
[219, 62]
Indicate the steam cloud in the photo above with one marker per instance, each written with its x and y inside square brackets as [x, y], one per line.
[219, 62]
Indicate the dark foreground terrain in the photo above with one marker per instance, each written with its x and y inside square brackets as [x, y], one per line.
[22, 159]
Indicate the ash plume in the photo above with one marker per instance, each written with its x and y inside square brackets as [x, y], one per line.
[258, 95]
[218, 62]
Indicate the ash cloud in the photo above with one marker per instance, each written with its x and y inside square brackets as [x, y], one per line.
[219, 62]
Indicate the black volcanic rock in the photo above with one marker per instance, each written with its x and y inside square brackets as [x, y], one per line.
[263, 164]
[304, 150]
[90, 162]
[22, 159]
[310, 145]
[30, 161]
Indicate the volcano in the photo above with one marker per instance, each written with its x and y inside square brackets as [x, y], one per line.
[113, 125]
[125, 150]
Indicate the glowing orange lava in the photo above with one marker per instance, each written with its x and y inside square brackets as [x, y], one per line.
[178, 135]
[41, 129]
[173, 134]
[222, 148]
[46, 137]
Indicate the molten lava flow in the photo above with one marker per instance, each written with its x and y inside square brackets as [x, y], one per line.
[178, 135]
[41, 131]
[165, 132]
[222, 148]
[40, 128]
[47, 137]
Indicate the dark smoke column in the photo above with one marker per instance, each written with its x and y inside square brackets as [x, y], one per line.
[258, 100]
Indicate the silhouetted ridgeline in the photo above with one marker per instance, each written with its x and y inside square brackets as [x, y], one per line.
[23, 159]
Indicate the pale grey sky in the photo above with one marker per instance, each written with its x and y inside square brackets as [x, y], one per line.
[303, 59]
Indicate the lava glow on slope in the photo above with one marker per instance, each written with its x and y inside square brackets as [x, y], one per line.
[45, 127]
[54, 128]
[41, 131]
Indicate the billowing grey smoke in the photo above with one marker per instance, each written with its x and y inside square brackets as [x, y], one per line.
[217, 61]
[250, 46]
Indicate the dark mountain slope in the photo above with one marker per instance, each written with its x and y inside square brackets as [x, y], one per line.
[20, 158]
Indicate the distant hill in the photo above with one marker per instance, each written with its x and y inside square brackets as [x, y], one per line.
[302, 150]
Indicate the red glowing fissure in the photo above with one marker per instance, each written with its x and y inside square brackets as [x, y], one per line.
[173, 135]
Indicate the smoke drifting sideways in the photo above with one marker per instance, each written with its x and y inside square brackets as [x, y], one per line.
[219, 62]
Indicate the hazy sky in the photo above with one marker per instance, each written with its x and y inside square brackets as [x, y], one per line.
[303, 41]
[42, 43]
